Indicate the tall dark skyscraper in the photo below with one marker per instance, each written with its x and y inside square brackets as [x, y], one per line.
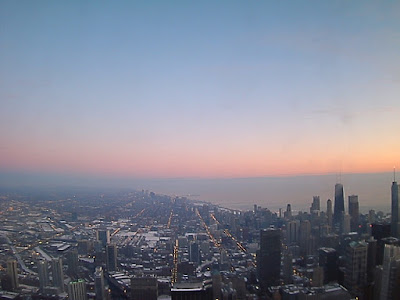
[395, 228]
[43, 272]
[339, 205]
[99, 284]
[269, 256]
[315, 206]
[58, 274]
[12, 271]
[111, 257]
[329, 211]
[72, 262]
[354, 212]
[103, 236]
[328, 260]
[288, 212]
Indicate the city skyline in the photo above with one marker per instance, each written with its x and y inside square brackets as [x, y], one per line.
[199, 90]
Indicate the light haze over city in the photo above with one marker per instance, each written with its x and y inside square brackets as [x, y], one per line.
[240, 102]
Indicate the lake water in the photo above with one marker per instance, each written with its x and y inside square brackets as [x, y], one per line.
[373, 190]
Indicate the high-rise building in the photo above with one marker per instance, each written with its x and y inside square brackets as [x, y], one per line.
[395, 225]
[328, 260]
[329, 212]
[144, 288]
[77, 290]
[339, 205]
[111, 258]
[72, 263]
[316, 204]
[288, 212]
[380, 247]
[371, 259]
[58, 274]
[269, 257]
[103, 236]
[354, 212]
[194, 252]
[12, 272]
[287, 267]
[318, 277]
[192, 291]
[371, 216]
[390, 273]
[43, 272]
[292, 232]
[99, 287]
[305, 240]
[345, 225]
[355, 277]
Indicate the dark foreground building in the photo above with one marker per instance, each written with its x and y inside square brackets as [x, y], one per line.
[269, 257]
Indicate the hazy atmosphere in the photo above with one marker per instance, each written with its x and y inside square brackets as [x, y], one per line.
[199, 90]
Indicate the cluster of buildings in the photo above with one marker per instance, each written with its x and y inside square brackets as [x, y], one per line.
[139, 245]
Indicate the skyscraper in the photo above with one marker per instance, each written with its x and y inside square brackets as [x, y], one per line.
[329, 211]
[390, 273]
[339, 205]
[288, 212]
[99, 283]
[292, 231]
[269, 256]
[194, 252]
[111, 258]
[12, 272]
[354, 212]
[77, 290]
[315, 206]
[58, 274]
[395, 226]
[328, 260]
[355, 278]
[144, 288]
[103, 236]
[305, 238]
[345, 224]
[72, 262]
[43, 272]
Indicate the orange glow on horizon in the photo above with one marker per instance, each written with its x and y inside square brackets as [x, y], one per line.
[208, 166]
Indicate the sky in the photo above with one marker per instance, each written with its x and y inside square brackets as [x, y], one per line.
[199, 89]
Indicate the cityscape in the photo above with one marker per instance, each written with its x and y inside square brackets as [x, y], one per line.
[85, 244]
[205, 150]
